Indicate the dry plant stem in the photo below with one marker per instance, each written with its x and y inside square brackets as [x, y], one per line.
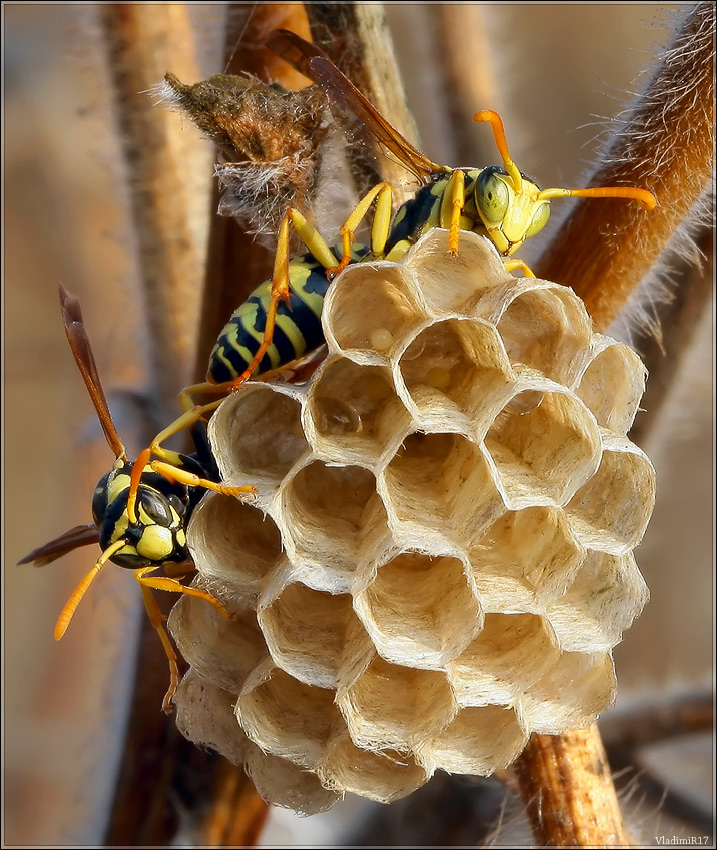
[236, 814]
[469, 79]
[143, 41]
[566, 784]
[679, 320]
[666, 146]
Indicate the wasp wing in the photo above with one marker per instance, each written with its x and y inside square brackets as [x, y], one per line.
[313, 63]
[82, 352]
[80, 535]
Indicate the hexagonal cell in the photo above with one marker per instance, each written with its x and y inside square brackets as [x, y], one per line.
[392, 707]
[608, 593]
[381, 775]
[611, 511]
[330, 513]
[234, 542]
[478, 741]
[571, 695]
[546, 327]
[613, 385]
[419, 610]
[353, 414]
[285, 717]
[283, 783]
[309, 633]
[439, 484]
[256, 435]
[222, 651]
[543, 455]
[456, 372]
[511, 653]
[525, 560]
[205, 716]
[455, 283]
[369, 310]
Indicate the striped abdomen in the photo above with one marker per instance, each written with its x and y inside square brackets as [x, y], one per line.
[298, 326]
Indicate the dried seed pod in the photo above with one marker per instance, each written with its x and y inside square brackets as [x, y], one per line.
[446, 560]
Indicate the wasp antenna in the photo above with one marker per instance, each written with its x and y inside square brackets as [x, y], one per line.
[63, 620]
[501, 143]
[646, 199]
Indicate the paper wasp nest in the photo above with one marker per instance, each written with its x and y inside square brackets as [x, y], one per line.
[439, 561]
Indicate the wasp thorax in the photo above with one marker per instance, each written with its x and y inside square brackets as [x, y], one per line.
[446, 560]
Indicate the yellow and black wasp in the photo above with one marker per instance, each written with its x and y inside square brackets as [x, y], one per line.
[149, 534]
[281, 320]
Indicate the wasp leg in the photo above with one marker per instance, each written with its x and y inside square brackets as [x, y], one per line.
[454, 199]
[181, 476]
[156, 618]
[511, 265]
[380, 227]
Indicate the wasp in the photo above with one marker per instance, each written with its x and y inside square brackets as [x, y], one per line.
[281, 320]
[151, 533]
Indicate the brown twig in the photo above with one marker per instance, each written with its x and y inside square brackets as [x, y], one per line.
[667, 146]
[165, 170]
[568, 791]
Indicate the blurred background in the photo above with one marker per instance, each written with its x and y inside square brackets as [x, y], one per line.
[558, 73]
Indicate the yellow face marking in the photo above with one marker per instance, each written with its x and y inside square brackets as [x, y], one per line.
[156, 543]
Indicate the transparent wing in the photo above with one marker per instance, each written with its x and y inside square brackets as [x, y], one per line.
[313, 63]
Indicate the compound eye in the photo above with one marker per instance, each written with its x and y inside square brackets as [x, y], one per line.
[99, 498]
[492, 194]
[155, 507]
[540, 219]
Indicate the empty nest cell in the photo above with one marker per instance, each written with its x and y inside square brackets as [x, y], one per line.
[547, 328]
[439, 484]
[543, 455]
[606, 595]
[525, 560]
[419, 610]
[310, 632]
[478, 741]
[382, 775]
[257, 435]
[234, 542]
[511, 653]
[613, 385]
[571, 695]
[394, 707]
[331, 513]
[286, 717]
[611, 511]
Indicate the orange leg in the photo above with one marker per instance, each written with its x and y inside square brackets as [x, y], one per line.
[454, 200]
[511, 265]
[156, 618]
